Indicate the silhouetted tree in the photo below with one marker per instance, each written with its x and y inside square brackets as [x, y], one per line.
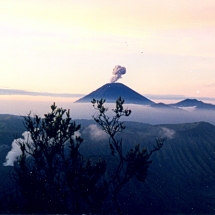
[134, 163]
[54, 177]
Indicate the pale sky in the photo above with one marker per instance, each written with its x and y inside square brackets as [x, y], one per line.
[62, 46]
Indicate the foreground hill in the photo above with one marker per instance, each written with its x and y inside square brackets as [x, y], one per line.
[181, 178]
[182, 175]
[10, 126]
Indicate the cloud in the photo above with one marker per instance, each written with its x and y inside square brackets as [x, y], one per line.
[167, 133]
[95, 133]
[28, 93]
[168, 96]
[189, 109]
[15, 152]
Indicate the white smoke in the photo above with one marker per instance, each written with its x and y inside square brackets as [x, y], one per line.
[167, 133]
[118, 71]
[95, 133]
[76, 134]
[15, 152]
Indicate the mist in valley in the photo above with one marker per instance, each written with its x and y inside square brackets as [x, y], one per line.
[147, 114]
[180, 171]
[140, 113]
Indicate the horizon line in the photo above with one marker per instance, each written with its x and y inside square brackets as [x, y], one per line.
[79, 95]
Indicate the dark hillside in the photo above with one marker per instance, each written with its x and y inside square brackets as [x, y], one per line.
[181, 178]
[10, 126]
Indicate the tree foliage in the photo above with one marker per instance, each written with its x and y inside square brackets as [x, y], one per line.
[52, 174]
[135, 162]
[54, 177]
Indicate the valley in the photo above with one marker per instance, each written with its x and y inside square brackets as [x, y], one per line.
[181, 178]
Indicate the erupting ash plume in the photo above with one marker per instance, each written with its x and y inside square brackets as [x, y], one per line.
[118, 71]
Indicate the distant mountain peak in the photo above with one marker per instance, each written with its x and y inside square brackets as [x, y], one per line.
[189, 102]
[194, 102]
[112, 91]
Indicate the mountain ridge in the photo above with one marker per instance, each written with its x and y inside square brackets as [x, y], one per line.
[112, 91]
[195, 103]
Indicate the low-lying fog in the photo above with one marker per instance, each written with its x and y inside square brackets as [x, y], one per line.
[149, 115]
[85, 111]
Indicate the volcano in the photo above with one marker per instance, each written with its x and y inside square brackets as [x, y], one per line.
[112, 91]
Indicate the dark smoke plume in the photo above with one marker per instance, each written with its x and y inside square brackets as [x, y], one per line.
[118, 71]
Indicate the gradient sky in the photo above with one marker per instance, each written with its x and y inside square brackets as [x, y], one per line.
[62, 46]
